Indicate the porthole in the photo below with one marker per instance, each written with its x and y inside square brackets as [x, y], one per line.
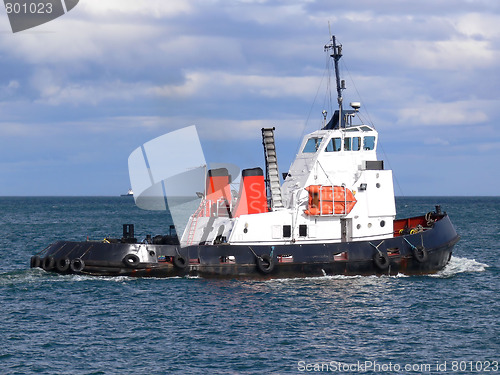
[369, 225]
[358, 226]
[377, 185]
[382, 223]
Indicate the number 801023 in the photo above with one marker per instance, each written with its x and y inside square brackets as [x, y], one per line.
[474, 366]
[33, 8]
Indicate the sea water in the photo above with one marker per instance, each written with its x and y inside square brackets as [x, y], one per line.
[73, 324]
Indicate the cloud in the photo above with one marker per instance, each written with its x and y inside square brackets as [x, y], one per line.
[57, 92]
[16, 129]
[489, 146]
[208, 83]
[479, 25]
[9, 89]
[437, 114]
[437, 141]
[79, 42]
[115, 9]
[452, 54]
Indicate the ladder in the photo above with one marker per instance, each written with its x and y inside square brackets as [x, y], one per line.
[194, 222]
[272, 173]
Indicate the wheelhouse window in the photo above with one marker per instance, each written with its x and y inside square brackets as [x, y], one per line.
[347, 144]
[356, 143]
[352, 144]
[369, 143]
[334, 144]
[312, 145]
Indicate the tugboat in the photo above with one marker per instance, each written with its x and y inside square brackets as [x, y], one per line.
[334, 214]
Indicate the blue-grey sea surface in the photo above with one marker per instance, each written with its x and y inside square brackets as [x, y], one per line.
[53, 324]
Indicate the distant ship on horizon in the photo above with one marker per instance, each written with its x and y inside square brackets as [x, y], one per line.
[130, 193]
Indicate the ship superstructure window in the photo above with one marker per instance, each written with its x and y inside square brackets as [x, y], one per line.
[369, 143]
[334, 144]
[312, 145]
[352, 144]
[356, 143]
[287, 231]
[347, 144]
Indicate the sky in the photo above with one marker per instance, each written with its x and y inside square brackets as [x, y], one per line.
[80, 93]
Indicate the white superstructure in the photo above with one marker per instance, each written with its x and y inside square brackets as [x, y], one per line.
[336, 190]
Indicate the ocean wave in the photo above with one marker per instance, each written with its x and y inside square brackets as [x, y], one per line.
[312, 278]
[334, 277]
[458, 265]
[21, 276]
[39, 276]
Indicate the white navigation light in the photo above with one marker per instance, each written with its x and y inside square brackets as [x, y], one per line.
[355, 105]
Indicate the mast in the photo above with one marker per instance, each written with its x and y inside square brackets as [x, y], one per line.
[336, 54]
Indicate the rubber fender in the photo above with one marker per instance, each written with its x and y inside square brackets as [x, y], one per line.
[265, 263]
[180, 262]
[48, 263]
[77, 265]
[131, 260]
[35, 261]
[420, 254]
[62, 265]
[381, 260]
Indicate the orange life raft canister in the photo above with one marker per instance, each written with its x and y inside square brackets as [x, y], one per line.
[329, 200]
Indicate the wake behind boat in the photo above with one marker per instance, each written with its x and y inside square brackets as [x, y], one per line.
[334, 214]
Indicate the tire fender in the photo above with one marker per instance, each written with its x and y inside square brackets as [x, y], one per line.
[265, 263]
[62, 265]
[180, 261]
[381, 260]
[420, 254]
[35, 261]
[48, 263]
[77, 265]
[131, 260]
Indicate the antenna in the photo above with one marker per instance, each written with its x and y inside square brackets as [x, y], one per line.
[336, 54]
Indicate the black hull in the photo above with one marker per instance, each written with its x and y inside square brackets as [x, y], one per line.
[413, 254]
